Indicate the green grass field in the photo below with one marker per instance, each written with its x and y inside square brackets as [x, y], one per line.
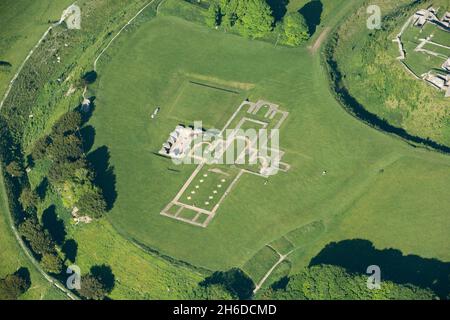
[146, 70]
[162, 279]
[377, 187]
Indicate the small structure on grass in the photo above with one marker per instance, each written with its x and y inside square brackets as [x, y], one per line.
[180, 141]
[439, 81]
[155, 112]
[446, 65]
[423, 16]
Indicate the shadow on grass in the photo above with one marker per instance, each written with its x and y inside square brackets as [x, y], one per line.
[278, 8]
[88, 136]
[53, 225]
[41, 189]
[312, 11]
[356, 255]
[105, 177]
[70, 250]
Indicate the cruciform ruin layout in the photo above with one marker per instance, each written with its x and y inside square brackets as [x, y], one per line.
[201, 195]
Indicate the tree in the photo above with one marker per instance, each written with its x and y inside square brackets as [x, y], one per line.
[38, 239]
[64, 148]
[14, 169]
[52, 263]
[255, 18]
[92, 203]
[40, 148]
[14, 285]
[79, 184]
[228, 10]
[28, 199]
[211, 292]
[295, 29]
[92, 288]
[67, 123]
[61, 171]
[213, 15]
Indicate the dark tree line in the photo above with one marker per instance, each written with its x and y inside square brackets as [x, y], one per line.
[70, 172]
[328, 282]
[255, 19]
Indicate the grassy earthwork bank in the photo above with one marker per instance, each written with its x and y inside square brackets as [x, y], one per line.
[367, 191]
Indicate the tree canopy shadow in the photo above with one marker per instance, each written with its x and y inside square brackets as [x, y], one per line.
[278, 8]
[41, 189]
[105, 177]
[234, 280]
[70, 250]
[5, 63]
[312, 11]
[357, 254]
[89, 77]
[24, 274]
[53, 225]
[88, 136]
[105, 275]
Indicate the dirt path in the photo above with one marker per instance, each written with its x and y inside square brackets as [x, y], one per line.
[319, 40]
[280, 260]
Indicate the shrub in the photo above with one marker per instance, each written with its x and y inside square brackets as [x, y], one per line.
[14, 169]
[28, 199]
[92, 288]
[255, 18]
[51, 263]
[295, 29]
